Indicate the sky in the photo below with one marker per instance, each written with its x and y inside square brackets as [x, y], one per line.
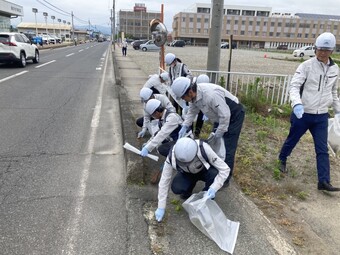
[99, 11]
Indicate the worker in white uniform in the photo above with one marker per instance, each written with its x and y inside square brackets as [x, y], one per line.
[219, 105]
[194, 161]
[144, 122]
[157, 83]
[169, 124]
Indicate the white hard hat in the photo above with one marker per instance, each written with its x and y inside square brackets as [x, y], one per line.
[145, 94]
[185, 149]
[152, 105]
[164, 76]
[202, 78]
[325, 41]
[169, 58]
[180, 86]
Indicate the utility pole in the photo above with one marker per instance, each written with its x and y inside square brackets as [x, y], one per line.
[114, 24]
[214, 46]
[72, 27]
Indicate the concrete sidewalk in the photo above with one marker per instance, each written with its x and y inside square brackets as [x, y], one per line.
[176, 234]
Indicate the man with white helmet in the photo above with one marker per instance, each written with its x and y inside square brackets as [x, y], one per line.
[194, 161]
[169, 124]
[156, 82]
[144, 122]
[220, 106]
[176, 67]
[313, 89]
[202, 78]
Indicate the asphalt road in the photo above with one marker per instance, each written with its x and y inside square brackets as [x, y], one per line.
[62, 177]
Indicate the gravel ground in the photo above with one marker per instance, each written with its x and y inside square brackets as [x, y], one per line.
[242, 60]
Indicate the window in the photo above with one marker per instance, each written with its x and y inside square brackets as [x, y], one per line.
[248, 13]
[236, 22]
[278, 34]
[191, 19]
[242, 33]
[271, 34]
[272, 24]
[256, 33]
[203, 10]
[198, 20]
[263, 13]
[183, 19]
[258, 23]
[235, 32]
[233, 12]
[306, 35]
[243, 22]
[299, 35]
[279, 24]
[198, 30]
[250, 23]
[228, 21]
[206, 20]
[264, 33]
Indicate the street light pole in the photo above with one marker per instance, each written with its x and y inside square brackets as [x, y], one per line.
[45, 15]
[64, 21]
[35, 10]
[53, 17]
[59, 20]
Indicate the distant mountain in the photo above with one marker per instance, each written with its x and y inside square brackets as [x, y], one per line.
[102, 29]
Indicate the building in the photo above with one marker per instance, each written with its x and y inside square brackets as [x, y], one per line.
[254, 27]
[8, 10]
[135, 23]
[61, 30]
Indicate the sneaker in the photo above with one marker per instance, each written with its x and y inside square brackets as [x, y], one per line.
[282, 166]
[327, 186]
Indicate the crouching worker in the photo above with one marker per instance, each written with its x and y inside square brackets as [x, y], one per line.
[169, 126]
[194, 161]
[144, 122]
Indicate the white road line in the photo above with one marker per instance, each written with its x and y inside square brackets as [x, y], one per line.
[12, 76]
[45, 64]
[73, 229]
[69, 54]
[81, 50]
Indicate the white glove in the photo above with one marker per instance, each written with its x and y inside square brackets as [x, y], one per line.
[141, 133]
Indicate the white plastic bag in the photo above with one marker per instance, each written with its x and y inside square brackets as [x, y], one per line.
[208, 217]
[218, 147]
[334, 133]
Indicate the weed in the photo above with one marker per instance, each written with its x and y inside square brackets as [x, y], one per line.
[302, 195]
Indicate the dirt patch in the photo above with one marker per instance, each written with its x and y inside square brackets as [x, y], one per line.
[291, 201]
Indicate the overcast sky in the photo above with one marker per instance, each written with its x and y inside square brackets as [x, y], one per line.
[98, 11]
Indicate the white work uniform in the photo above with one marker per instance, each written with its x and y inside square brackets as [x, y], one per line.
[320, 87]
[154, 81]
[165, 103]
[211, 100]
[213, 159]
[169, 122]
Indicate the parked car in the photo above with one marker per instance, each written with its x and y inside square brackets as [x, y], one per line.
[178, 43]
[304, 51]
[282, 47]
[17, 48]
[136, 44]
[149, 46]
[225, 45]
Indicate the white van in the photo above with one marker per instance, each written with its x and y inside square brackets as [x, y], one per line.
[305, 51]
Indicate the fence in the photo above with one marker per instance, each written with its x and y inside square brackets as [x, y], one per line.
[273, 88]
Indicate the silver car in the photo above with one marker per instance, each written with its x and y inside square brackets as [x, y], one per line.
[149, 46]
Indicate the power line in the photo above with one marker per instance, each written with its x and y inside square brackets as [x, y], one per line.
[67, 14]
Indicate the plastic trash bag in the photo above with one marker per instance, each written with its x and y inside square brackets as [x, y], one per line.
[218, 147]
[208, 217]
[334, 133]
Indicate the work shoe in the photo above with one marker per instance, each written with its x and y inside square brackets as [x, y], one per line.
[156, 177]
[327, 186]
[282, 166]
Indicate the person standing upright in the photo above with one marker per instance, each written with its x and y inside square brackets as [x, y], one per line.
[313, 89]
[124, 47]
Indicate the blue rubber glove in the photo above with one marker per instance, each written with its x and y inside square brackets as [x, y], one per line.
[298, 111]
[159, 214]
[141, 133]
[144, 152]
[211, 193]
[183, 131]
